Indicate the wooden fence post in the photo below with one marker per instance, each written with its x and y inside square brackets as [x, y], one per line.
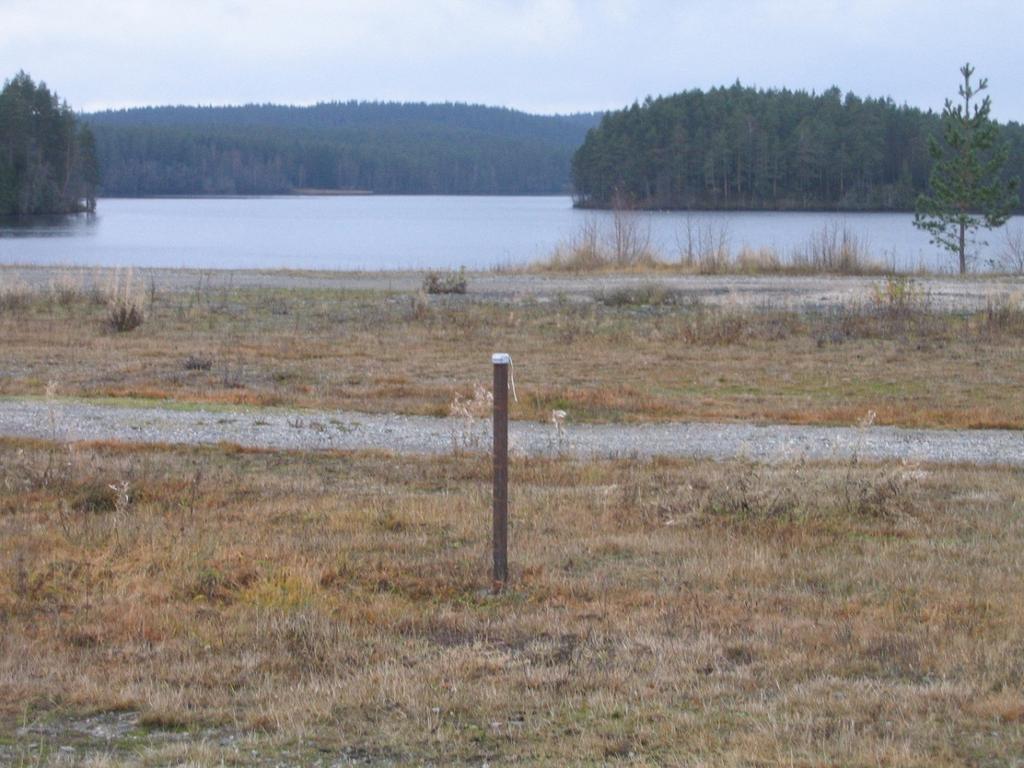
[501, 363]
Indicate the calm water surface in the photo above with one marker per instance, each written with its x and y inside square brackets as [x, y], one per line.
[382, 232]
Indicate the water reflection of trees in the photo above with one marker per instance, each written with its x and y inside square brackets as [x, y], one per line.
[50, 225]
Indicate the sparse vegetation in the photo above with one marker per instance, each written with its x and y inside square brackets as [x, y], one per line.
[898, 295]
[625, 244]
[835, 249]
[281, 603]
[629, 238]
[704, 248]
[583, 252]
[703, 245]
[664, 354]
[314, 605]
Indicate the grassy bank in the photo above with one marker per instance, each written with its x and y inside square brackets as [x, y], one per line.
[663, 355]
[281, 604]
[704, 247]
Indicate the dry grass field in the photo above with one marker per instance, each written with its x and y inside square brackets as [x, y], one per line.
[216, 606]
[242, 607]
[662, 356]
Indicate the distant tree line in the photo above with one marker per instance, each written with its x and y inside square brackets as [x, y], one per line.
[378, 147]
[47, 157]
[742, 148]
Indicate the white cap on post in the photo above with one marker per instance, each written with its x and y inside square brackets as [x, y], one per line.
[501, 358]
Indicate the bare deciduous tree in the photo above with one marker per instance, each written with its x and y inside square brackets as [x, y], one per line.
[630, 237]
[703, 244]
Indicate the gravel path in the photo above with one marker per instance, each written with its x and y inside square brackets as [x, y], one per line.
[324, 430]
[793, 292]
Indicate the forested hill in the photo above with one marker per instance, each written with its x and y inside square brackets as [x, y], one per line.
[379, 147]
[741, 148]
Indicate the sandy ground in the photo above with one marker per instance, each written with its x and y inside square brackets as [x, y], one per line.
[944, 292]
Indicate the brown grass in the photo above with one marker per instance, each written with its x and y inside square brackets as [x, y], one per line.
[704, 248]
[660, 355]
[665, 612]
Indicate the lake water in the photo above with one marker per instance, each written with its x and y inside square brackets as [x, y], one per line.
[385, 232]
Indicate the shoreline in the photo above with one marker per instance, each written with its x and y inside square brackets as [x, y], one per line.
[749, 291]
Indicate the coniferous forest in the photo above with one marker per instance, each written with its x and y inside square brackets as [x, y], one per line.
[742, 148]
[47, 157]
[727, 148]
[378, 147]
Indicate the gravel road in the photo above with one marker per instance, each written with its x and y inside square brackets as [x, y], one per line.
[74, 421]
[944, 292]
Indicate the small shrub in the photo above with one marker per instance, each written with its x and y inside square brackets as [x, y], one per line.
[649, 294]
[65, 290]
[197, 363]
[122, 317]
[759, 261]
[713, 327]
[233, 376]
[883, 494]
[753, 494]
[625, 245]
[583, 252]
[897, 295]
[473, 414]
[95, 497]
[124, 304]
[446, 282]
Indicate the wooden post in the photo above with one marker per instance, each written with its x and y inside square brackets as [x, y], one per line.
[501, 363]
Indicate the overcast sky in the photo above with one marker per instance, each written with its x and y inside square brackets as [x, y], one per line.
[537, 55]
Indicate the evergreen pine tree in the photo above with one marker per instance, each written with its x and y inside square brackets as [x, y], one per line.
[967, 190]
